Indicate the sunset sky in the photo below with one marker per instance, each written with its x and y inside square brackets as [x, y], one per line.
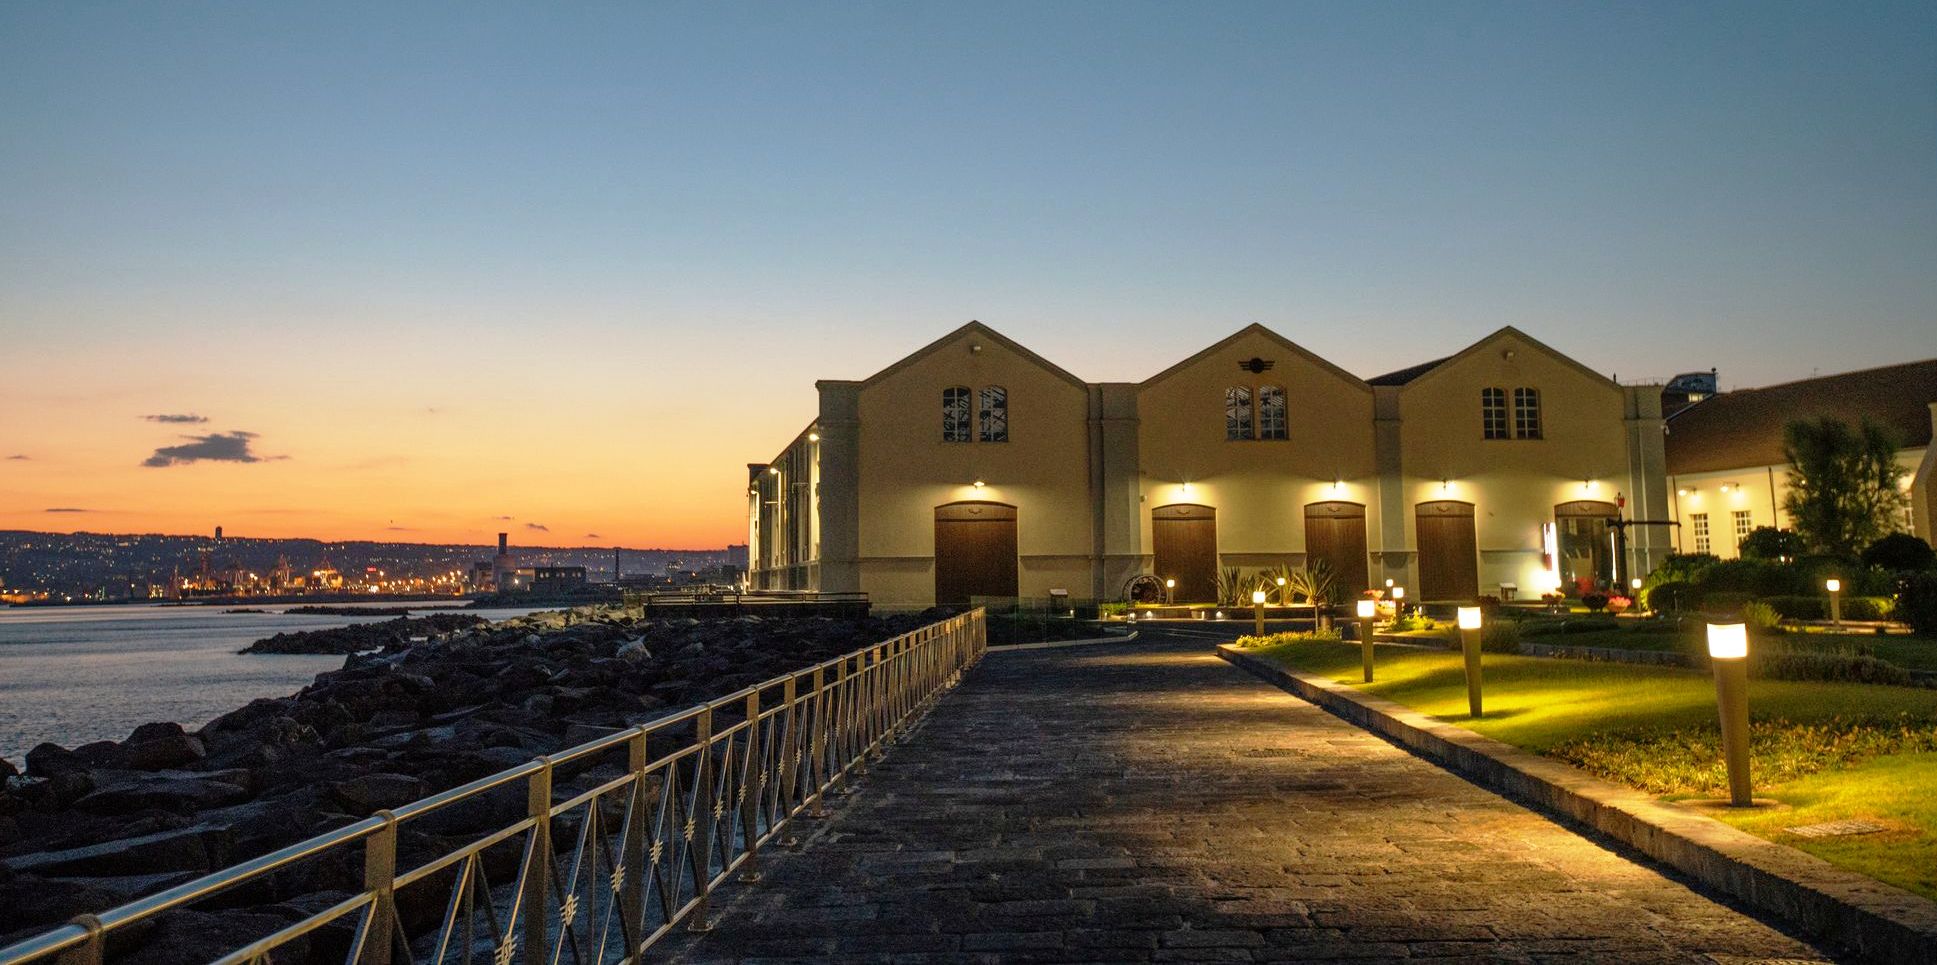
[565, 269]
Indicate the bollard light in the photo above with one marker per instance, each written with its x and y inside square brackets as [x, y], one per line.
[1368, 611]
[1728, 651]
[1835, 588]
[1469, 645]
[1281, 591]
[1257, 609]
[1170, 591]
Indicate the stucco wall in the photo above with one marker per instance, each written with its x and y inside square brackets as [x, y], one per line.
[1259, 487]
[906, 470]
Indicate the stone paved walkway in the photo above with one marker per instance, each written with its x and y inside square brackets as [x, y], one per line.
[1148, 802]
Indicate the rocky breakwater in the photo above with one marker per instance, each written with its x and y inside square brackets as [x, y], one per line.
[90, 827]
[364, 637]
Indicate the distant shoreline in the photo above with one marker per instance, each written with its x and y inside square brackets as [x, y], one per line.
[315, 598]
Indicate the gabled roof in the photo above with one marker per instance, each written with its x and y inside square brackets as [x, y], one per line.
[1405, 375]
[1743, 428]
[1426, 370]
[1256, 329]
[975, 328]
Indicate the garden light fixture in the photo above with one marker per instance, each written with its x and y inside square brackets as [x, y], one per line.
[1368, 612]
[1728, 652]
[1835, 588]
[1257, 609]
[1469, 645]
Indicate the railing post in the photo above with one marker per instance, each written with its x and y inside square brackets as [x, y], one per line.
[379, 877]
[753, 790]
[788, 756]
[846, 727]
[537, 883]
[632, 860]
[704, 815]
[814, 743]
[93, 950]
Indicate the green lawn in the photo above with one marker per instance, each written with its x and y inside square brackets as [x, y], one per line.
[1570, 709]
[1911, 653]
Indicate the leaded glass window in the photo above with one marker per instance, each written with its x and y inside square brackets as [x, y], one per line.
[1526, 413]
[955, 414]
[1493, 413]
[995, 414]
[1271, 412]
[1237, 412]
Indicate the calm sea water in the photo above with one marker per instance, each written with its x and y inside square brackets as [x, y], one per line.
[77, 674]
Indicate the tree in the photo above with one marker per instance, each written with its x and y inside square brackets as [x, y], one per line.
[1769, 543]
[1844, 483]
[1899, 553]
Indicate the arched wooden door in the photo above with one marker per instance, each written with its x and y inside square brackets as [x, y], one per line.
[975, 551]
[1335, 533]
[1183, 540]
[1449, 554]
[1586, 544]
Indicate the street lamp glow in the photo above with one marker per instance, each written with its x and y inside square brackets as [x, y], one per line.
[813, 437]
[979, 484]
[1728, 641]
[1281, 581]
[1398, 592]
[1368, 609]
[1635, 583]
[1170, 584]
[1469, 618]
[1257, 597]
[1832, 584]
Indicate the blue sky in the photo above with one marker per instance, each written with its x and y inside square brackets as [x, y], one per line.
[676, 194]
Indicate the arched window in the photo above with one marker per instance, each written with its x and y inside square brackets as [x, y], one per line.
[1526, 413]
[955, 414]
[1493, 413]
[1271, 413]
[995, 414]
[1237, 412]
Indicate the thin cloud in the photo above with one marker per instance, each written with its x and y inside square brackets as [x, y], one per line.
[401, 529]
[220, 447]
[68, 509]
[540, 527]
[21, 456]
[504, 517]
[183, 418]
[593, 536]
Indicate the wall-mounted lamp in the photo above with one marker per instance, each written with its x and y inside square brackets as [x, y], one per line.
[1587, 485]
[773, 470]
[1185, 487]
[1683, 491]
[813, 437]
[979, 484]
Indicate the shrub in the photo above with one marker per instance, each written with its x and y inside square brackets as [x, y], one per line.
[1760, 616]
[1685, 566]
[1593, 624]
[1112, 609]
[1769, 543]
[1783, 664]
[1249, 642]
[1898, 553]
[1724, 602]
[1594, 602]
[1413, 620]
[1502, 637]
[1755, 578]
[1802, 607]
[1868, 607]
[1917, 603]
[1671, 595]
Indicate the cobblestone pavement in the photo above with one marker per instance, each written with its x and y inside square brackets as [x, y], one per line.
[1148, 802]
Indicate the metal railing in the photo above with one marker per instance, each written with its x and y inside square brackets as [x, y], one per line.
[697, 796]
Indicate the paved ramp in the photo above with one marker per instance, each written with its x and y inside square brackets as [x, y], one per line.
[1148, 802]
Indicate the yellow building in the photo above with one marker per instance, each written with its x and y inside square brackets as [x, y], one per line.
[976, 468]
[1727, 472]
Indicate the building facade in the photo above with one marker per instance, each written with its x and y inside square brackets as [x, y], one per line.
[976, 468]
[1728, 475]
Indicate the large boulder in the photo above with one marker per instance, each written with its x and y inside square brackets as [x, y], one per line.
[183, 792]
[368, 793]
[197, 848]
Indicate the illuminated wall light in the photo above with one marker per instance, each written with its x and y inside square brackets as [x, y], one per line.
[1185, 488]
[813, 437]
[979, 484]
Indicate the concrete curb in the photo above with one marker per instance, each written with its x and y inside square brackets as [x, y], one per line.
[1864, 916]
[1059, 644]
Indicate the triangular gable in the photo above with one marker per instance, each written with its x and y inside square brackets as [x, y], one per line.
[1260, 329]
[1551, 352]
[976, 328]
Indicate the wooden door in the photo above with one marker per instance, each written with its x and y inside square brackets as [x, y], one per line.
[1449, 555]
[1335, 533]
[1183, 540]
[975, 551]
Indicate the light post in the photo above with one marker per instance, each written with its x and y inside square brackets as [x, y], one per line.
[1469, 645]
[1368, 611]
[1728, 653]
[1398, 602]
[1257, 609]
[1170, 592]
[1281, 591]
[1835, 588]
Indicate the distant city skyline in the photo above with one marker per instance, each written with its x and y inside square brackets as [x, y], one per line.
[383, 273]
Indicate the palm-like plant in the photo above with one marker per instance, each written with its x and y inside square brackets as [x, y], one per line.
[1313, 583]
